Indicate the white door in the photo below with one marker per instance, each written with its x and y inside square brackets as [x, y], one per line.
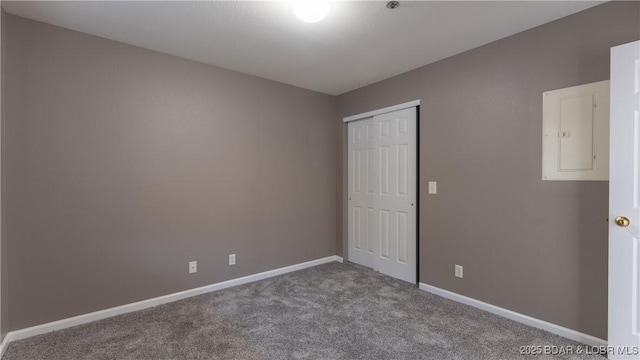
[395, 196]
[382, 193]
[624, 204]
[361, 210]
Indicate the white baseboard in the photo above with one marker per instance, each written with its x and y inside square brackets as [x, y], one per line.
[527, 320]
[107, 313]
[339, 259]
[4, 345]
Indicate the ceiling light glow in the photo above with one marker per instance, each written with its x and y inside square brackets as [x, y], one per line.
[311, 11]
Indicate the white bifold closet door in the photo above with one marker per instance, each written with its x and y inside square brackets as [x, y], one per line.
[382, 193]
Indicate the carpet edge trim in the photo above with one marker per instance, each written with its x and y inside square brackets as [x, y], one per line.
[145, 304]
[512, 315]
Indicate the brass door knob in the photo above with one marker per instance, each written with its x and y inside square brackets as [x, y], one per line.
[622, 221]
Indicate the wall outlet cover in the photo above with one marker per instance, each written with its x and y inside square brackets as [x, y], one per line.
[459, 271]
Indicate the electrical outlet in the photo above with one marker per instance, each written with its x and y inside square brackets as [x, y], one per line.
[459, 270]
[193, 267]
[232, 259]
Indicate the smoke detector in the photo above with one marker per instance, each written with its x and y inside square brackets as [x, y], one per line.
[393, 4]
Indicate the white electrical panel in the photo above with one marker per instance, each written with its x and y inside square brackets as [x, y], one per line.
[575, 133]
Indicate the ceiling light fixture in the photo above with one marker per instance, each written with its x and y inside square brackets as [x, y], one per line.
[311, 11]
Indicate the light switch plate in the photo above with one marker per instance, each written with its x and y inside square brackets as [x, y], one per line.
[433, 187]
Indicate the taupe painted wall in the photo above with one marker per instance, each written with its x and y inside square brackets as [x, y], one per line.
[124, 164]
[538, 248]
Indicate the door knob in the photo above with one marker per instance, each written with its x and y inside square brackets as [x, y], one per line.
[622, 221]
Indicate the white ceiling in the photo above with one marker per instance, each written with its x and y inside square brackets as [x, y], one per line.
[359, 43]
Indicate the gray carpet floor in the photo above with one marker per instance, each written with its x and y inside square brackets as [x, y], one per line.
[332, 311]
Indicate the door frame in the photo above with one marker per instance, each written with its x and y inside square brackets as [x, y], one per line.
[345, 176]
[388, 109]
